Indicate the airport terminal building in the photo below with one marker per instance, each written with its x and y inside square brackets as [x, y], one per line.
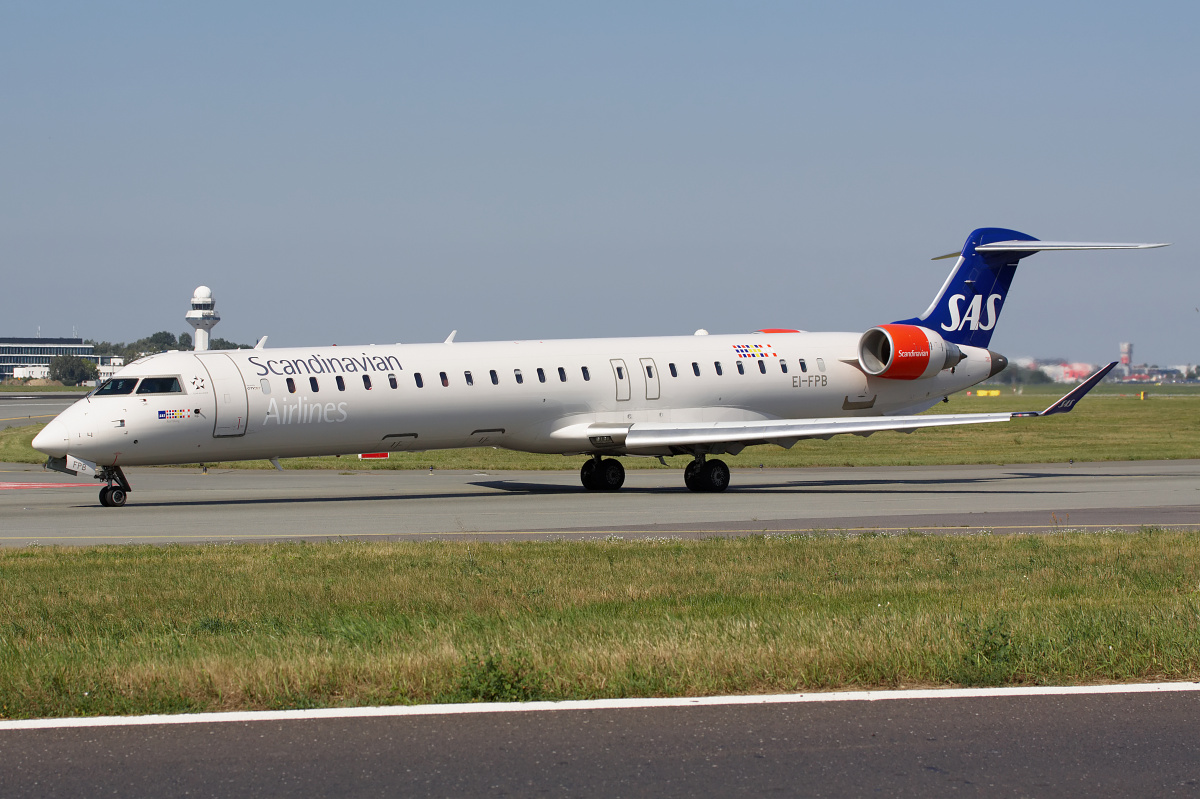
[33, 355]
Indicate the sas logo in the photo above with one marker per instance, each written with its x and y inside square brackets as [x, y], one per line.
[959, 320]
[183, 414]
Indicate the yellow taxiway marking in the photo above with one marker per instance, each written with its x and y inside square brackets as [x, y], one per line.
[19, 418]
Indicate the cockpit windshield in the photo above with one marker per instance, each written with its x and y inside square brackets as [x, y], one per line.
[160, 385]
[117, 385]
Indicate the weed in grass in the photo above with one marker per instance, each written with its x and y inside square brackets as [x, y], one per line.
[500, 678]
[988, 659]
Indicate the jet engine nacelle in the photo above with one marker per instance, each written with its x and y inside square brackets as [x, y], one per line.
[905, 352]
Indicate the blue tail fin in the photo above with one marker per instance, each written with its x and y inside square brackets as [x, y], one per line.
[966, 309]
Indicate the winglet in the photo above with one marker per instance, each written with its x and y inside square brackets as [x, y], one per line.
[1067, 402]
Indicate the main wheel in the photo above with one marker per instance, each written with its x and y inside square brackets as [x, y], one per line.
[104, 492]
[715, 476]
[691, 476]
[116, 497]
[587, 475]
[611, 474]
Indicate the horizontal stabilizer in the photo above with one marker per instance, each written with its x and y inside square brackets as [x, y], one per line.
[1040, 246]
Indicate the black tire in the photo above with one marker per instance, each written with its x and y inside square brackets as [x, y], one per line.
[611, 475]
[104, 492]
[116, 497]
[715, 476]
[691, 476]
[587, 475]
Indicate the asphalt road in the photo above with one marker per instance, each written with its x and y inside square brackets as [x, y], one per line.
[1063, 746]
[184, 505]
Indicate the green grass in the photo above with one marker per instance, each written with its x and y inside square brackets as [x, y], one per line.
[1109, 425]
[19, 389]
[125, 629]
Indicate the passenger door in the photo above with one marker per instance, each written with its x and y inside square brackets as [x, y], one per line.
[650, 372]
[229, 392]
[621, 375]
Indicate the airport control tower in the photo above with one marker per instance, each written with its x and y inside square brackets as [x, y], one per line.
[203, 316]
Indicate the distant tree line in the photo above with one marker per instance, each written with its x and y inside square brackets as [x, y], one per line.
[158, 342]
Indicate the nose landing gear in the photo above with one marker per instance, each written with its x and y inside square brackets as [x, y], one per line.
[113, 496]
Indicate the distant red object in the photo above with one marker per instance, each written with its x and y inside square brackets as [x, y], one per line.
[776, 330]
[373, 455]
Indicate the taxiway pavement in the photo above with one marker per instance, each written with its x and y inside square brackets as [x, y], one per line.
[172, 505]
[18, 410]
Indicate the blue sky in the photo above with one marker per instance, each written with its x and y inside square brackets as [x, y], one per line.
[389, 172]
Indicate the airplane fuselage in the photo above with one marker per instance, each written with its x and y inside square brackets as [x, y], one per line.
[554, 396]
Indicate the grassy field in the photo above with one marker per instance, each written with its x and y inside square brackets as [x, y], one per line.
[117, 630]
[1108, 425]
[25, 389]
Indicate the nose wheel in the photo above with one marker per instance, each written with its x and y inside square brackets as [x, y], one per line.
[116, 492]
[112, 496]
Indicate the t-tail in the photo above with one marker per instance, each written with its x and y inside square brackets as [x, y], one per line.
[968, 306]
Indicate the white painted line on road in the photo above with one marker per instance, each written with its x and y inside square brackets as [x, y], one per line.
[595, 704]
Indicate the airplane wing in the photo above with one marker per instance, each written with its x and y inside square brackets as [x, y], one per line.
[786, 432]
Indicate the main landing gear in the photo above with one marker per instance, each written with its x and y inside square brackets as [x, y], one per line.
[113, 496]
[706, 475]
[701, 475]
[602, 474]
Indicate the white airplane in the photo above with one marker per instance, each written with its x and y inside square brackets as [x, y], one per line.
[696, 396]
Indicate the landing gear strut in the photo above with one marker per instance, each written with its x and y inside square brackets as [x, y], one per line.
[113, 496]
[703, 475]
[602, 474]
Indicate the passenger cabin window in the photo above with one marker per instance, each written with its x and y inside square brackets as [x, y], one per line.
[674, 372]
[341, 384]
[312, 383]
[541, 375]
[392, 381]
[367, 382]
[562, 375]
[741, 368]
[160, 385]
[419, 381]
[803, 366]
[495, 377]
[717, 366]
[517, 375]
[762, 366]
[470, 380]
[445, 380]
[266, 385]
[620, 372]
[291, 386]
[117, 385]
[783, 365]
[821, 364]
[696, 368]
[586, 374]
[649, 371]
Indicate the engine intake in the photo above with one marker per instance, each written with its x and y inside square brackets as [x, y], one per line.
[905, 352]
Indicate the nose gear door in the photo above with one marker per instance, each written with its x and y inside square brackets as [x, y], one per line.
[229, 391]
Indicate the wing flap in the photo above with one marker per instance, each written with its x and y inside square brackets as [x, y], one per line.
[786, 432]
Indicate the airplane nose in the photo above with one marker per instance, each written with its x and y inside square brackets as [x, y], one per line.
[53, 439]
